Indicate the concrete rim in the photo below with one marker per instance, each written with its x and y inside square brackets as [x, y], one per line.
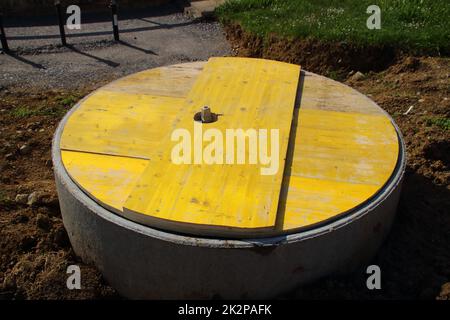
[339, 222]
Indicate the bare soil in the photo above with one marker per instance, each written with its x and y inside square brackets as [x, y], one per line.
[34, 248]
[415, 259]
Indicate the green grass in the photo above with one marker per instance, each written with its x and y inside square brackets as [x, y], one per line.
[408, 24]
[56, 108]
[443, 123]
[68, 101]
[23, 112]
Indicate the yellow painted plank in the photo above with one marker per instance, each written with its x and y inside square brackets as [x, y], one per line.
[312, 201]
[320, 93]
[119, 123]
[170, 81]
[108, 179]
[247, 93]
[348, 147]
[340, 160]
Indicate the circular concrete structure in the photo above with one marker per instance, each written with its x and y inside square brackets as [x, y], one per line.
[147, 253]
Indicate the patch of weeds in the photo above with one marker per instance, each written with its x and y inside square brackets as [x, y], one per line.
[335, 75]
[68, 101]
[53, 111]
[62, 105]
[23, 112]
[57, 108]
[443, 123]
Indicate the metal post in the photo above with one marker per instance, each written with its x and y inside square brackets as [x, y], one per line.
[61, 22]
[3, 36]
[115, 19]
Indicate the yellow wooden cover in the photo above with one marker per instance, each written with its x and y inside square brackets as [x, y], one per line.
[247, 94]
[341, 151]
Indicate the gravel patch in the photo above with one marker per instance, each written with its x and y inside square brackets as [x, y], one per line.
[39, 60]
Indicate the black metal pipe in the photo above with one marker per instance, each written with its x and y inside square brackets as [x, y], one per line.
[61, 22]
[115, 19]
[3, 35]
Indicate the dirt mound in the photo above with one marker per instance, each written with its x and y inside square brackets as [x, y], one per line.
[312, 54]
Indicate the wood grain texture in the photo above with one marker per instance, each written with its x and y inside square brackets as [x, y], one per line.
[248, 94]
[122, 124]
[345, 149]
[108, 179]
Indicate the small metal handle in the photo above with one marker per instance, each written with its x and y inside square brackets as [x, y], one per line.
[206, 114]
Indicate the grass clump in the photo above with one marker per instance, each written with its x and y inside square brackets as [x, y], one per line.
[52, 107]
[68, 101]
[23, 112]
[443, 123]
[420, 25]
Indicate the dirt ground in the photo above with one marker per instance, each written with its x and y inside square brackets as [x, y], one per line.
[415, 259]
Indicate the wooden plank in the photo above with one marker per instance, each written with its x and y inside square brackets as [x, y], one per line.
[119, 123]
[312, 201]
[340, 160]
[349, 147]
[108, 179]
[226, 199]
[324, 94]
[171, 81]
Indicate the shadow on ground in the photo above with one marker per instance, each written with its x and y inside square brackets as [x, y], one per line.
[414, 260]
